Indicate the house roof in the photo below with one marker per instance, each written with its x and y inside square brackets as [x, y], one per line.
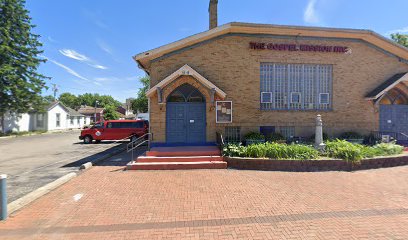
[387, 85]
[88, 110]
[74, 113]
[369, 36]
[55, 103]
[185, 70]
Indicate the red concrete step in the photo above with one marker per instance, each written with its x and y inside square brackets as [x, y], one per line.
[176, 165]
[184, 151]
[179, 159]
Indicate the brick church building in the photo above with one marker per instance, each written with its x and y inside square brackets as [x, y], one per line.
[242, 77]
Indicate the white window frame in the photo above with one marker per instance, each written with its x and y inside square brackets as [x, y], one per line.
[328, 98]
[216, 112]
[58, 119]
[291, 97]
[262, 99]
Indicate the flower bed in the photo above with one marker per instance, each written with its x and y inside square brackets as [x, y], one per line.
[336, 149]
[339, 155]
[314, 165]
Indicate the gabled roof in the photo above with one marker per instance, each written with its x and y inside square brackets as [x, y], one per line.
[371, 37]
[387, 85]
[55, 103]
[88, 110]
[74, 113]
[185, 70]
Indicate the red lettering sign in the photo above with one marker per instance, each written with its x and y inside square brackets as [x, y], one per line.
[295, 47]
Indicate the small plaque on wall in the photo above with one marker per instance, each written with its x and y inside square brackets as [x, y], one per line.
[223, 111]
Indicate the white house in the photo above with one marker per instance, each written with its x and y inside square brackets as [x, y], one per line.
[56, 117]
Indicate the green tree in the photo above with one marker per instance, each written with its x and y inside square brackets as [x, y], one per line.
[110, 113]
[140, 104]
[70, 100]
[20, 82]
[49, 99]
[89, 99]
[400, 38]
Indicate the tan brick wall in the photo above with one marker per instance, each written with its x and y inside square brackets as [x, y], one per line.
[231, 65]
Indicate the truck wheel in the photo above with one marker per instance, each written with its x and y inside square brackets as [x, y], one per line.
[87, 139]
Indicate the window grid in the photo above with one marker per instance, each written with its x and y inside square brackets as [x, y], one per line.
[287, 132]
[284, 79]
[232, 134]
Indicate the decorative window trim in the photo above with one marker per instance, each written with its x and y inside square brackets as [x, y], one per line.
[328, 98]
[270, 97]
[291, 97]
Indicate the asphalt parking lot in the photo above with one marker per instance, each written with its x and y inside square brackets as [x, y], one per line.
[33, 161]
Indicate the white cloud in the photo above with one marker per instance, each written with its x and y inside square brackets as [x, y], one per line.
[70, 53]
[69, 70]
[73, 73]
[106, 79]
[74, 55]
[51, 39]
[403, 30]
[98, 66]
[116, 79]
[310, 14]
[105, 47]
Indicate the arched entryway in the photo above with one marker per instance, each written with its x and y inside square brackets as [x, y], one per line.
[394, 113]
[185, 116]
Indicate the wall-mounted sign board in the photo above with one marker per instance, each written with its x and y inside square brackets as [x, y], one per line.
[223, 111]
[298, 47]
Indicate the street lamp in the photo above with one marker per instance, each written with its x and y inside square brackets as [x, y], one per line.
[96, 102]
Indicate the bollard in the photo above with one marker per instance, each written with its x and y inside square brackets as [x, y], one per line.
[3, 197]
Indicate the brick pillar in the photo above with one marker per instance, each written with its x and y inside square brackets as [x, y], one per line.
[212, 10]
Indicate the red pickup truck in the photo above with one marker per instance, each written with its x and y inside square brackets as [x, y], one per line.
[115, 130]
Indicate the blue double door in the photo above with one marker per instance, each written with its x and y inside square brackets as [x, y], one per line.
[394, 118]
[185, 122]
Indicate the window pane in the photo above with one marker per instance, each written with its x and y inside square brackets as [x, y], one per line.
[305, 80]
[324, 98]
[266, 97]
[232, 134]
[287, 132]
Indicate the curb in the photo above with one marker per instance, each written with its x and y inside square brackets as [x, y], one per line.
[43, 133]
[89, 164]
[29, 198]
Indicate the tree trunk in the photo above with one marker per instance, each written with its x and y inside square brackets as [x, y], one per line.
[2, 123]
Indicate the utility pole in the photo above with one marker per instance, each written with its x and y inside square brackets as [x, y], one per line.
[96, 102]
[55, 90]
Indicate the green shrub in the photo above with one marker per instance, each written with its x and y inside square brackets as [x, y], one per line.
[256, 150]
[388, 148]
[350, 135]
[234, 150]
[355, 152]
[254, 136]
[272, 150]
[275, 137]
[343, 150]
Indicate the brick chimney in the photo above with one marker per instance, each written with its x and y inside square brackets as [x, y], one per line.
[212, 10]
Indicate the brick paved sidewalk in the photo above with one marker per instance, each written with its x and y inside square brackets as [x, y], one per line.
[108, 203]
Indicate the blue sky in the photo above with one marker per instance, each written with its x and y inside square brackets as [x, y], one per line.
[90, 43]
